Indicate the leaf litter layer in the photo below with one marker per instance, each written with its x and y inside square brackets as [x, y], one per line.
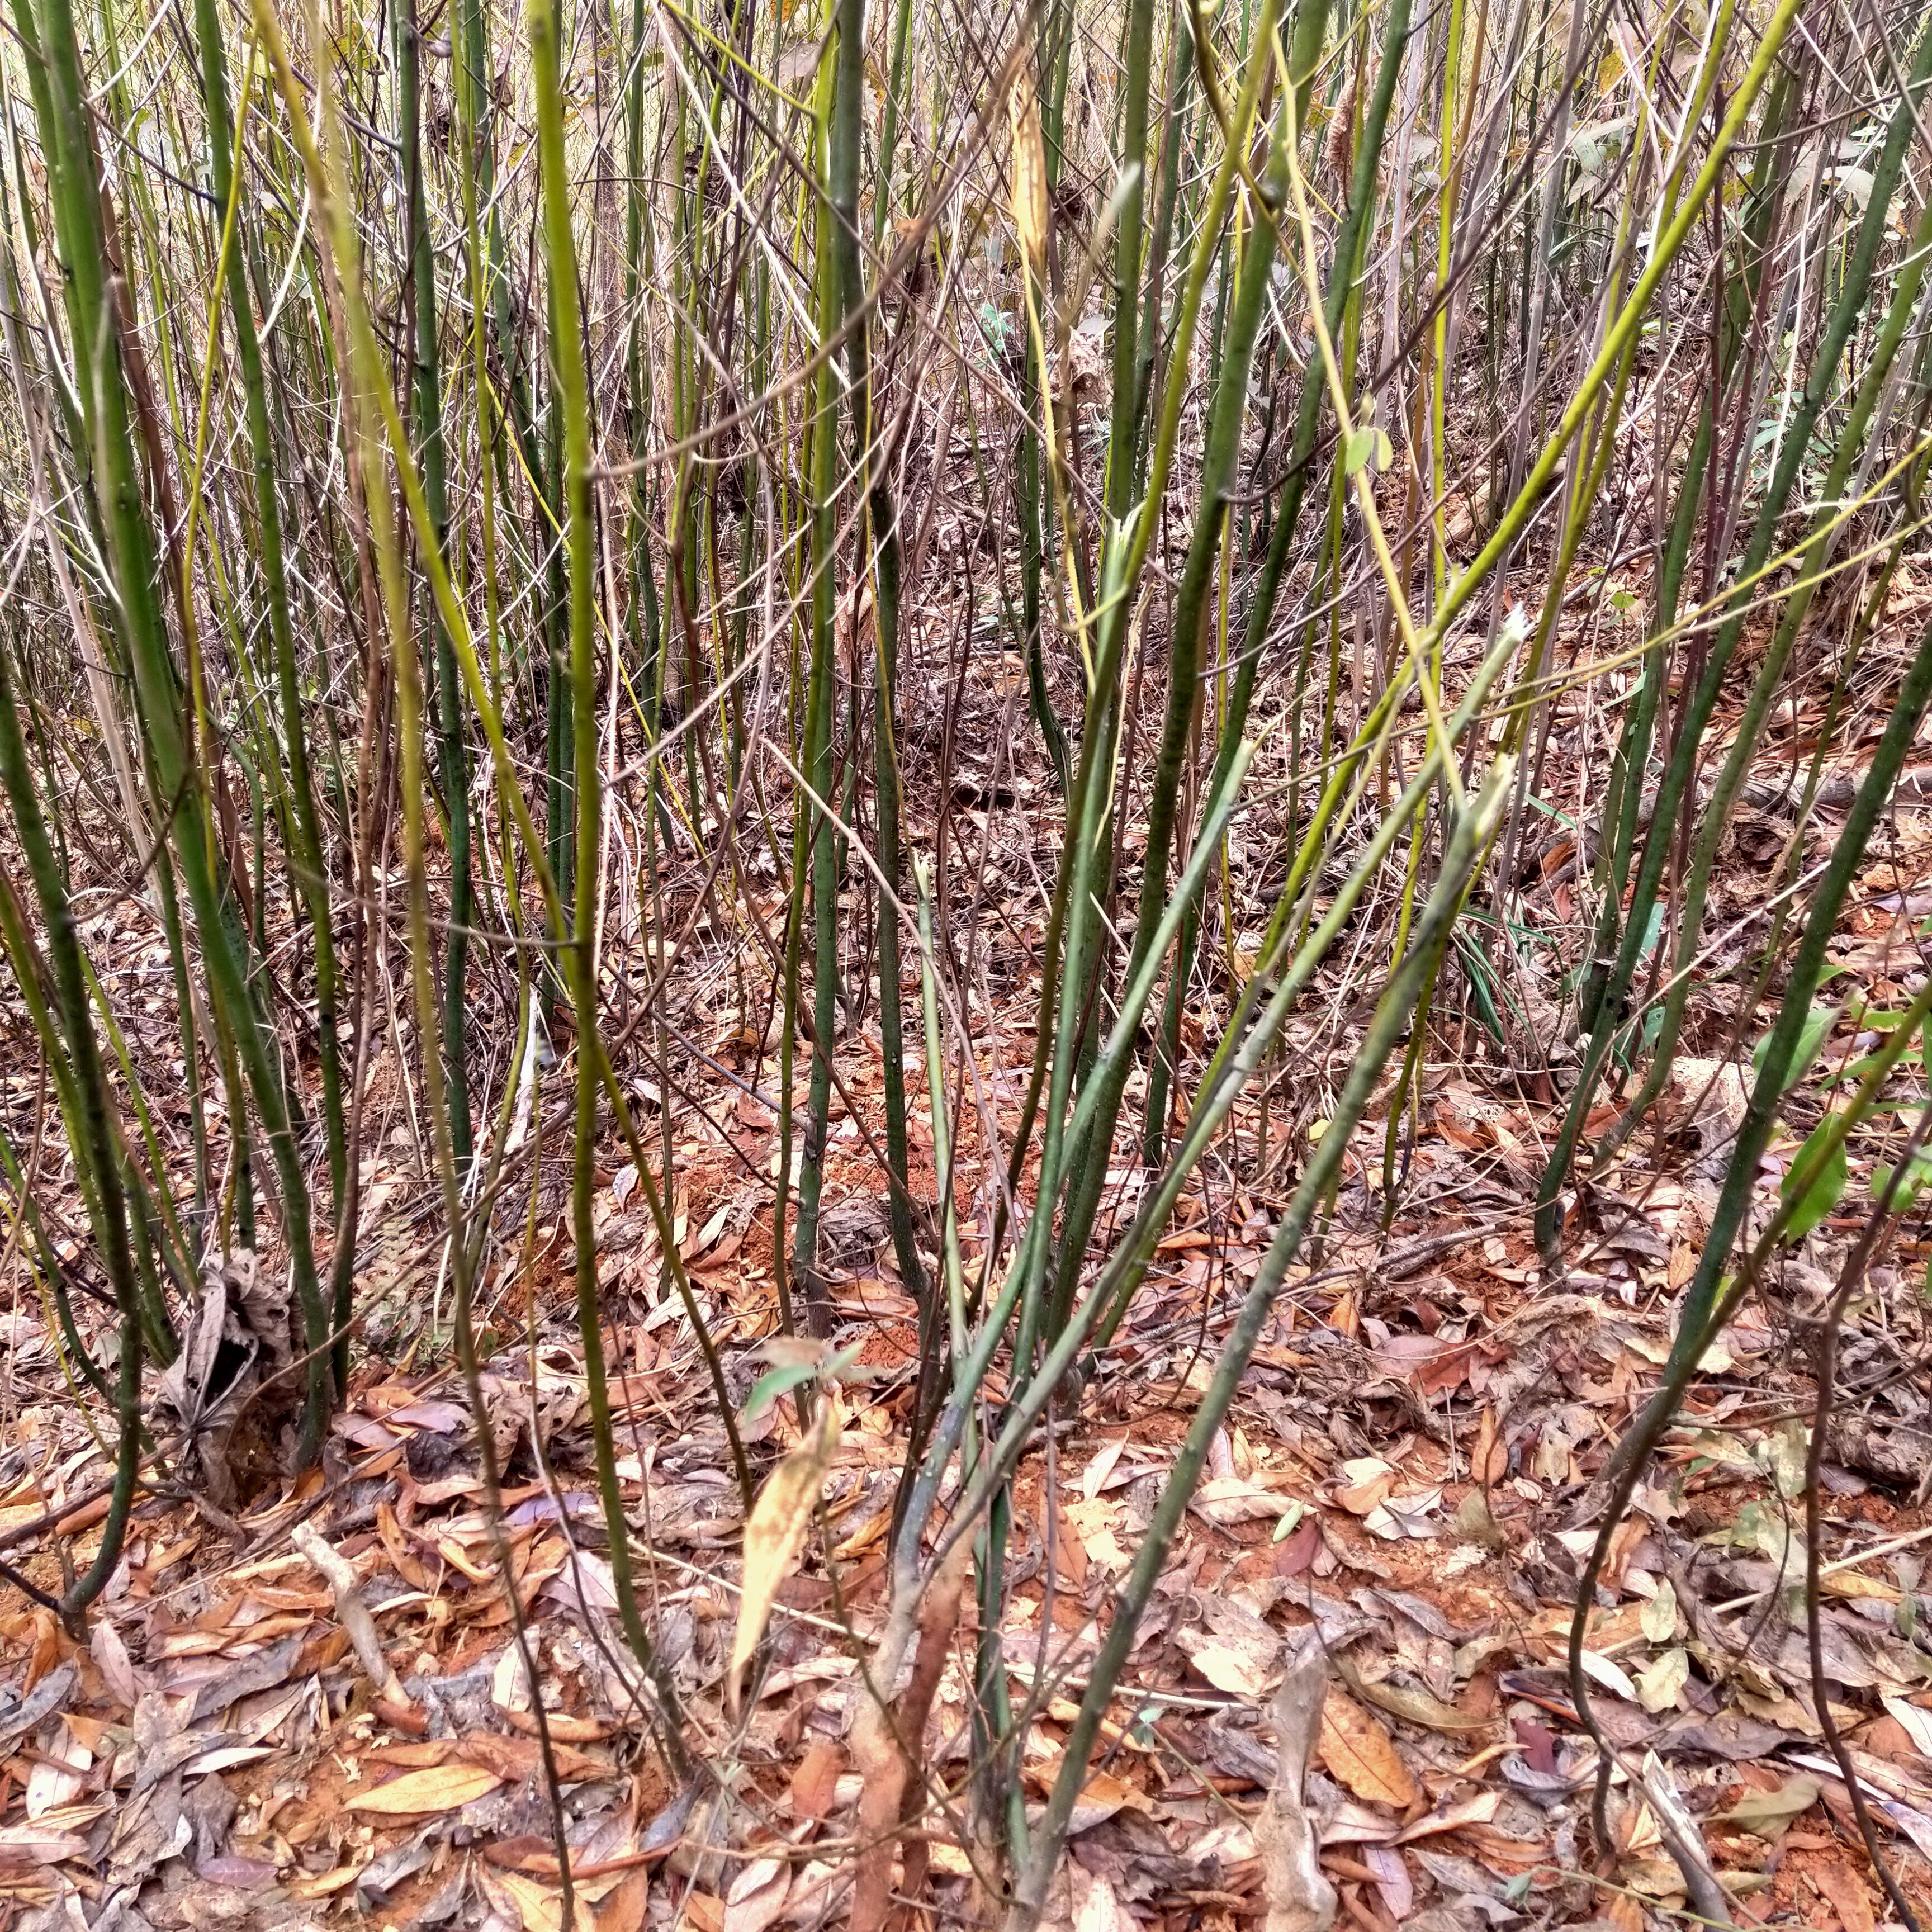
[965, 968]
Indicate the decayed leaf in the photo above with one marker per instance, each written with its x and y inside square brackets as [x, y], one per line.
[1357, 1751]
[774, 1534]
[442, 1787]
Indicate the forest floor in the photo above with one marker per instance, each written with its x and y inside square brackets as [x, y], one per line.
[1409, 1468]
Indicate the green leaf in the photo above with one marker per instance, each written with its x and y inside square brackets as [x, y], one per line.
[1826, 1188]
[1368, 444]
[1917, 1175]
[1818, 1022]
[774, 1383]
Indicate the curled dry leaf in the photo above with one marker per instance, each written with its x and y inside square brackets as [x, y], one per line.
[1225, 1500]
[1299, 1899]
[116, 1667]
[1363, 1483]
[775, 1533]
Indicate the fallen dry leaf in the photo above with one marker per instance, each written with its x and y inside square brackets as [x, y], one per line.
[38, 1845]
[441, 1787]
[1417, 1706]
[541, 1909]
[1357, 1751]
[1364, 1482]
[1844, 1891]
[117, 1669]
[1489, 1460]
[625, 1909]
[1223, 1500]
[1239, 1673]
[325, 1884]
[1100, 1910]
[1094, 1477]
[515, 1758]
[757, 1895]
[815, 1784]
[1300, 1898]
[1477, 1809]
[1767, 1814]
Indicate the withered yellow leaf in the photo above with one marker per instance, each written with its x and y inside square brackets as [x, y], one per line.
[440, 1787]
[775, 1533]
[1029, 178]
